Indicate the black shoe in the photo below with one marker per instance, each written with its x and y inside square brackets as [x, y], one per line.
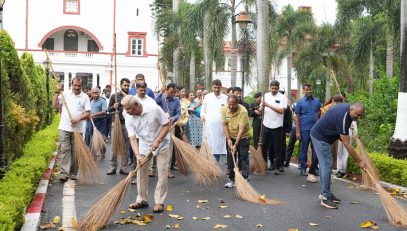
[339, 174]
[303, 172]
[63, 178]
[287, 164]
[123, 172]
[271, 168]
[335, 199]
[111, 172]
[327, 203]
[281, 169]
[276, 172]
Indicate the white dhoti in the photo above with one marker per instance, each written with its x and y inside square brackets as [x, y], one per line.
[216, 137]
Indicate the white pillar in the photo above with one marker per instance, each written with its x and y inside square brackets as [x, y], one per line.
[66, 81]
[94, 79]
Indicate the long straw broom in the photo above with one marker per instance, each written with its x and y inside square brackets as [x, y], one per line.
[118, 143]
[205, 149]
[258, 164]
[100, 214]
[98, 144]
[246, 192]
[88, 171]
[204, 171]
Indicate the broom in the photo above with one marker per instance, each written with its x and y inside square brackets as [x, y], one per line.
[203, 170]
[205, 149]
[88, 170]
[99, 215]
[246, 192]
[368, 180]
[98, 145]
[258, 164]
[118, 143]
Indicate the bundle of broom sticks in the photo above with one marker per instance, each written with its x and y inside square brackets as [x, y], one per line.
[258, 164]
[99, 215]
[98, 144]
[88, 171]
[396, 214]
[246, 192]
[205, 149]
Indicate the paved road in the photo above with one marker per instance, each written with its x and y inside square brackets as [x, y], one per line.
[301, 209]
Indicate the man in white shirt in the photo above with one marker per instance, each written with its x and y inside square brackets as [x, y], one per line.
[151, 126]
[79, 107]
[211, 115]
[275, 104]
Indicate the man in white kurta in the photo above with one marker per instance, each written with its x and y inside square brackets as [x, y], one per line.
[211, 115]
[151, 125]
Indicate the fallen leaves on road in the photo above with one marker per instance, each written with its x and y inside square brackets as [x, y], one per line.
[238, 216]
[219, 226]
[177, 226]
[170, 208]
[259, 225]
[203, 201]
[354, 202]
[223, 206]
[48, 225]
[148, 218]
[60, 229]
[369, 224]
[227, 216]
[194, 218]
[56, 219]
[313, 224]
[328, 217]
[292, 229]
[263, 198]
[173, 215]
[206, 218]
[122, 212]
[132, 210]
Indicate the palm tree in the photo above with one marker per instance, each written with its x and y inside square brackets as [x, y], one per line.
[398, 144]
[262, 44]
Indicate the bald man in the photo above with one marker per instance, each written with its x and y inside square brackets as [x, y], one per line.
[332, 126]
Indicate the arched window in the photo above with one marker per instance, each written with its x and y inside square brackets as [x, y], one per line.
[70, 40]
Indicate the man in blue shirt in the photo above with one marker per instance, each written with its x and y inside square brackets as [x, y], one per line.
[172, 108]
[307, 111]
[98, 107]
[334, 125]
[133, 89]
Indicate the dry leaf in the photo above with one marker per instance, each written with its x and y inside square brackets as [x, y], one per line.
[167, 227]
[170, 208]
[313, 224]
[328, 217]
[375, 227]
[303, 185]
[122, 212]
[147, 218]
[56, 219]
[138, 215]
[221, 201]
[354, 202]
[137, 222]
[238, 216]
[74, 222]
[219, 226]
[227, 216]
[203, 201]
[292, 229]
[194, 218]
[173, 215]
[259, 225]
[180, 218]
[367, 224]
[49, 225]
[263, 198]
[223, 206]
[61, 229]
[132, 210]
[177, 226]
[198, 207]
[206, 218]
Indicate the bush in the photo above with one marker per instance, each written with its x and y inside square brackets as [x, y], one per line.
[19, 184]
[391, 170]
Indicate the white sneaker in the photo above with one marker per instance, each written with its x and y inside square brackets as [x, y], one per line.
[230, 184]
[311, 178]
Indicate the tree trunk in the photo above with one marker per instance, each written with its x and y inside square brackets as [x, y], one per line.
[327, 85]
[389, 55]
[371, 63]
[177, 75]
[207, 56]
[262, 44]
[289, 71]
[233, 53]
[398, 143]
[192, 71]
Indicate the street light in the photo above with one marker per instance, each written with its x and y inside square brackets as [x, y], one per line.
[47, 67]
[243, 20]
[2, 157]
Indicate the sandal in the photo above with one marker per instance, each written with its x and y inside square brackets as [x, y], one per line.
[138, 205]
[158, 208]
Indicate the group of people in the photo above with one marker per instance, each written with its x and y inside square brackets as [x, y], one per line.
[221, 118]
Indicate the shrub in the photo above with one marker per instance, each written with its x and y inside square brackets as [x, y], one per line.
[19, 184]
[391, 170]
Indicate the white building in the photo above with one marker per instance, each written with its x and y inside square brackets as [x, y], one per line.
[79, 35]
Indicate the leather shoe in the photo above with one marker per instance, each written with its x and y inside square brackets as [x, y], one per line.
[281, 169]
[123, 172]
[303, 172]
[111, 172]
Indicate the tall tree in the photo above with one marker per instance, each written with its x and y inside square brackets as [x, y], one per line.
[262, 44]
[398, 144]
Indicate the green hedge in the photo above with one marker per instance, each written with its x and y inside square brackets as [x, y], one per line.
[391, 170]
[20, 182]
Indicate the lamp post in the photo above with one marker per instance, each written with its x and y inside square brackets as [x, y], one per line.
[2, 157]
[47, 67]
[243, 20]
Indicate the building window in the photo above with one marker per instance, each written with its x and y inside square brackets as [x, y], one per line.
[71, 6]
[48, 44]
[70, 40]
[137, 44]
[92, 46]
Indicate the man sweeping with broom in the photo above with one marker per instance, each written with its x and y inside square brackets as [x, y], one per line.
[236, 127]
[79, 106]
[332, 126]
[151, 125]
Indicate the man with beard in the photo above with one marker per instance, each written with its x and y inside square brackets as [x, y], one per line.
[237, 91]
[113, 106]
[256, 113]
